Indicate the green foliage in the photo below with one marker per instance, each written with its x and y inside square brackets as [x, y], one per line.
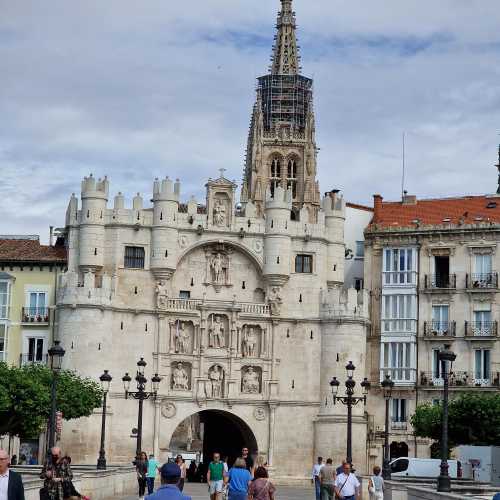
[474, 419]
[25, 398]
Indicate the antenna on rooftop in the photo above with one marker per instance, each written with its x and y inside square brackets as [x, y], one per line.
[404, 169]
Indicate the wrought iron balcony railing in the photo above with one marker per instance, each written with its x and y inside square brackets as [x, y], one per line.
[481, 281]
[439, 281]
[35, 315]
[481, 329]
[29, 359]
[439, 328]
[460, 379]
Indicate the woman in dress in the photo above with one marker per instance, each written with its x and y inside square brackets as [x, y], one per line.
[376, 485]
[239, 480]
[261, 488]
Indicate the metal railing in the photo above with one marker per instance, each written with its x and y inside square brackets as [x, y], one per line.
[481, 281]
[35, 315]
[399, 426]
[481, 329]
[29, 359]
[439, 281]
[459, 379]
[439, 328]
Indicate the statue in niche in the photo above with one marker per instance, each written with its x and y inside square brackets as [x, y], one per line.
[182, 338]
[218, 269]
[161, 295]
[275, 301]
[249, 342]
[250, 382]
[215, 377]
[180, 378]
[216, 333]
[220, 215]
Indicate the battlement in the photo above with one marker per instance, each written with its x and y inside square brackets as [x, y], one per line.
[166, 190]
[340, 302]
[95, 189]
[85, 288]
[333, 204]
[282, 198]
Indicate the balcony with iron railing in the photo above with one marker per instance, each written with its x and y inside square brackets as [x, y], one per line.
[481, 329]
[460, 379]
[482, 281]
[35, 315]
[31, 359]
[440, 282]
[399, 426]
[439, 329]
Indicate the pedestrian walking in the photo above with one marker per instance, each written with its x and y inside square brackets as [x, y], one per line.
[249, 463]
[141, 468]
[261, 488]
[238, 479]
[315, 477]
[170, 475]
[11, 483]
[151, 475]
[57, 476]
[182, 466]
[191, 472]
[215, 477]
[376, 485]
[327, 480]
[347, 486]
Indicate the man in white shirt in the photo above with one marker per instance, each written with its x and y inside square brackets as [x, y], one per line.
[315, 477]
[11, 484]
[347, 486]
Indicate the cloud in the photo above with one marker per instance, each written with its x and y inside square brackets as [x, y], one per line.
[137, 90]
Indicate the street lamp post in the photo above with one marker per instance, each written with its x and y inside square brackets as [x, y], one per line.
[445, 356]
[56, 354]
[349, 400]
[387, 386]
[141, 394]
[105, 379]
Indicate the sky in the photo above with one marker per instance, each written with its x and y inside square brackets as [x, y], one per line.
[138, 90]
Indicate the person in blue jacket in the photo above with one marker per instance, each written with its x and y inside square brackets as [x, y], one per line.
[170, 477]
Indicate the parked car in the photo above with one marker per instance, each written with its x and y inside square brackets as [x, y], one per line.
[422, 467]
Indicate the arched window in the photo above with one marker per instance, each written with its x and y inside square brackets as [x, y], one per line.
[275, 177]
[291, 180]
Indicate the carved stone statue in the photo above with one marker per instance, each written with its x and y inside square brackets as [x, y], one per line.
[220, 213]
[250, 382]
[216, 333]
[215, 377]
[275, 301]
[161, 295]
[180, 378]
[217, 267]
[249, 342]
[182, 338]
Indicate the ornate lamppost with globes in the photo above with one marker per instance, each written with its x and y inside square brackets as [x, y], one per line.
[349, 400]
[56, 354]
[387, 386]
[141, 394]
[105, 380]
[446, 356]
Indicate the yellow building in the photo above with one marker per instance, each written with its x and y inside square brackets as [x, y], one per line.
[28, 286]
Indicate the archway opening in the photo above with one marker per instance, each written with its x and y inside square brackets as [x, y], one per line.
[398, 450]
[212, 431]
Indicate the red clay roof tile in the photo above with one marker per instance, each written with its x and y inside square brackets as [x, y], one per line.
[29, 250]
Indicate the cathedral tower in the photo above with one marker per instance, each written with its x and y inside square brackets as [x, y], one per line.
[281, 149]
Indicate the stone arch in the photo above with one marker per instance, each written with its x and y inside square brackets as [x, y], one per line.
[223, 431]
[238, 246]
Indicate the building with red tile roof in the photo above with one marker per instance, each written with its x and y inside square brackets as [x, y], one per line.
[27, 249]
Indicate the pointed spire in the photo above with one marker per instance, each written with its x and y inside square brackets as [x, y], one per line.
[286, 57]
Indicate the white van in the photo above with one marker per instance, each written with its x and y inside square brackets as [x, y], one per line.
[422, 467]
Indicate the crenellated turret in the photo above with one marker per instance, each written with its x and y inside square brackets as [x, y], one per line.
[92, 220]
[333, 205]
[166, 195]
[277, 240]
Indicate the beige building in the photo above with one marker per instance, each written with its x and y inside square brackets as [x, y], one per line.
[432, 268]
[239, 307]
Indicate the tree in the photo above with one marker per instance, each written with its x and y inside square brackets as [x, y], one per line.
[474, 419]
[25, 398]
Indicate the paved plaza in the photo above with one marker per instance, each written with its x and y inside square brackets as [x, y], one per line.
[199, 492]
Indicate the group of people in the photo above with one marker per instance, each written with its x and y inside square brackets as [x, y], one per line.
[341, 482]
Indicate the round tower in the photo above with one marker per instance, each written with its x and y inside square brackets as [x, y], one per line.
[277, 239]
[165, 233]
[334, 209]
[92, 221]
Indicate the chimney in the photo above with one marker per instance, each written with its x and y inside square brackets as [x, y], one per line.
[377, 206]
[51, 235]
[409, 199]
